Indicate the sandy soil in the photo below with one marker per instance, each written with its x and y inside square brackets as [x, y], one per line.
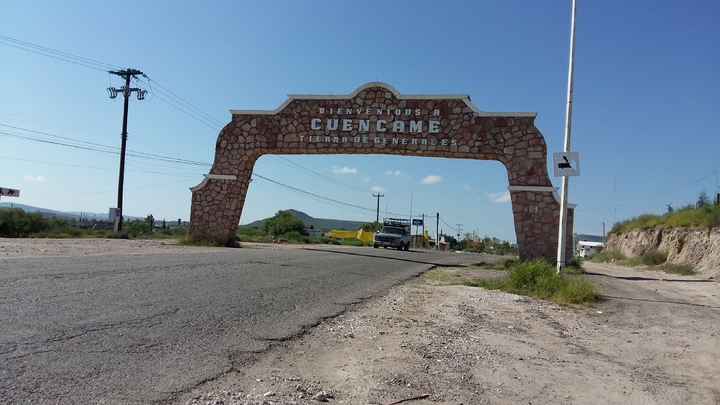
[652, 340]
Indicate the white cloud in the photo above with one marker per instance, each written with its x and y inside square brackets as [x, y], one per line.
[499, 197]
[377, 189]
[397, 173]
[344, 170]
[39, 179]
[431, 179]
[466, 187]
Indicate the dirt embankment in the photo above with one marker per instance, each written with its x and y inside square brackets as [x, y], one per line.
[697, 247]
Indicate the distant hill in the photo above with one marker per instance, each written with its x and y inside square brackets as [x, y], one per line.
[318, 223]
[69, 215]
[589, 238]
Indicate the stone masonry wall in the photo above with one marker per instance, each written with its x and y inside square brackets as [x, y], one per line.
[375, 119]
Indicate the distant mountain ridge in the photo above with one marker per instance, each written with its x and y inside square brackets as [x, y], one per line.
[318, 223]
[70, 215]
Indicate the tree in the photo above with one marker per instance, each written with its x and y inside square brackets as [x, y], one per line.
[282, 223]
[371, 226]
[703, 199]
[451, 241]
[137, 227]
[16, 223]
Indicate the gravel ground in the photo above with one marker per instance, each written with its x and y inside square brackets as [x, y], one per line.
[431, 344]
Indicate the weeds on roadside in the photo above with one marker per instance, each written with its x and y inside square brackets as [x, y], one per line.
[681, 269]
[608, 256]
[192, 241]
[504, 264]
[654, 259]
[539, 279]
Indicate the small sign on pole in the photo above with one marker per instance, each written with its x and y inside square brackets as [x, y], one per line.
[417, 222]
[9, 192]
[566, 164]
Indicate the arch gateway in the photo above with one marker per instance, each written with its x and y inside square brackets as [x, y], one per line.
[376, 119]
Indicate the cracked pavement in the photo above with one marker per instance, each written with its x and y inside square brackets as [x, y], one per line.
[140, 328]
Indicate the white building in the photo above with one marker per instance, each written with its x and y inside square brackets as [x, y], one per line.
[586, 248]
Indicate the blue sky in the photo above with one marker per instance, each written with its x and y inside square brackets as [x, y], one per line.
[645, 111]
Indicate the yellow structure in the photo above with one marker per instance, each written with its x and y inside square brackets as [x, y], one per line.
[422, 241]
[366, 237]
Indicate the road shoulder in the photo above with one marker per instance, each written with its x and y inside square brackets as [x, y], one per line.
[456, 344]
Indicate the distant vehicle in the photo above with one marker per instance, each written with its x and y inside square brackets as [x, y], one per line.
[394, 233]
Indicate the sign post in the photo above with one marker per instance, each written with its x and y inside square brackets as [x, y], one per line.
[568, 125]
[417, 222]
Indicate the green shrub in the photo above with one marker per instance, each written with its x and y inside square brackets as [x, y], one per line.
[137, 228]
[608, 256]
[539, 279]
[192, 241]
[255, 238]
[707, 216]
[249, 231]
[574, 267]
[352, 242]
[682, 269]
[504, 264]
[296, 236]
[654, 257]
[282, 223]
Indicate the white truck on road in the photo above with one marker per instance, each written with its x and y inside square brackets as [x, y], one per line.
[394, 233]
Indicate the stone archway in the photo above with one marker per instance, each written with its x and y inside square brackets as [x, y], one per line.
[376, 119]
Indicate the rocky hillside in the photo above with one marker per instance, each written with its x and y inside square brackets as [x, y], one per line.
[699, 248]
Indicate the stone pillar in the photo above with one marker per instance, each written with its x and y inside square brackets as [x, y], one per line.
[536, 212]
[217, 204]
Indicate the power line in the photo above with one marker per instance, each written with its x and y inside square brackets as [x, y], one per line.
[651, 197]
[288, 162]
[51, 53]
[141, 170]
[96, 147]
[105, 192]
[312, 194]
[53, 136]
[316, 196]
[184, 103]
[56, 123]
[174, 101]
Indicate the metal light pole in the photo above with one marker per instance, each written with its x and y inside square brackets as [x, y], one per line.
[568, 124]
[112, 92]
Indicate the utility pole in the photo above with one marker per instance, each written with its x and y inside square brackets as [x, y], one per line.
[459, 229]
[126, 91]
[437, 231]
[378, 195]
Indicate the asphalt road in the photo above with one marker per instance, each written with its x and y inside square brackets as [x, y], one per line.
[143, 328]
